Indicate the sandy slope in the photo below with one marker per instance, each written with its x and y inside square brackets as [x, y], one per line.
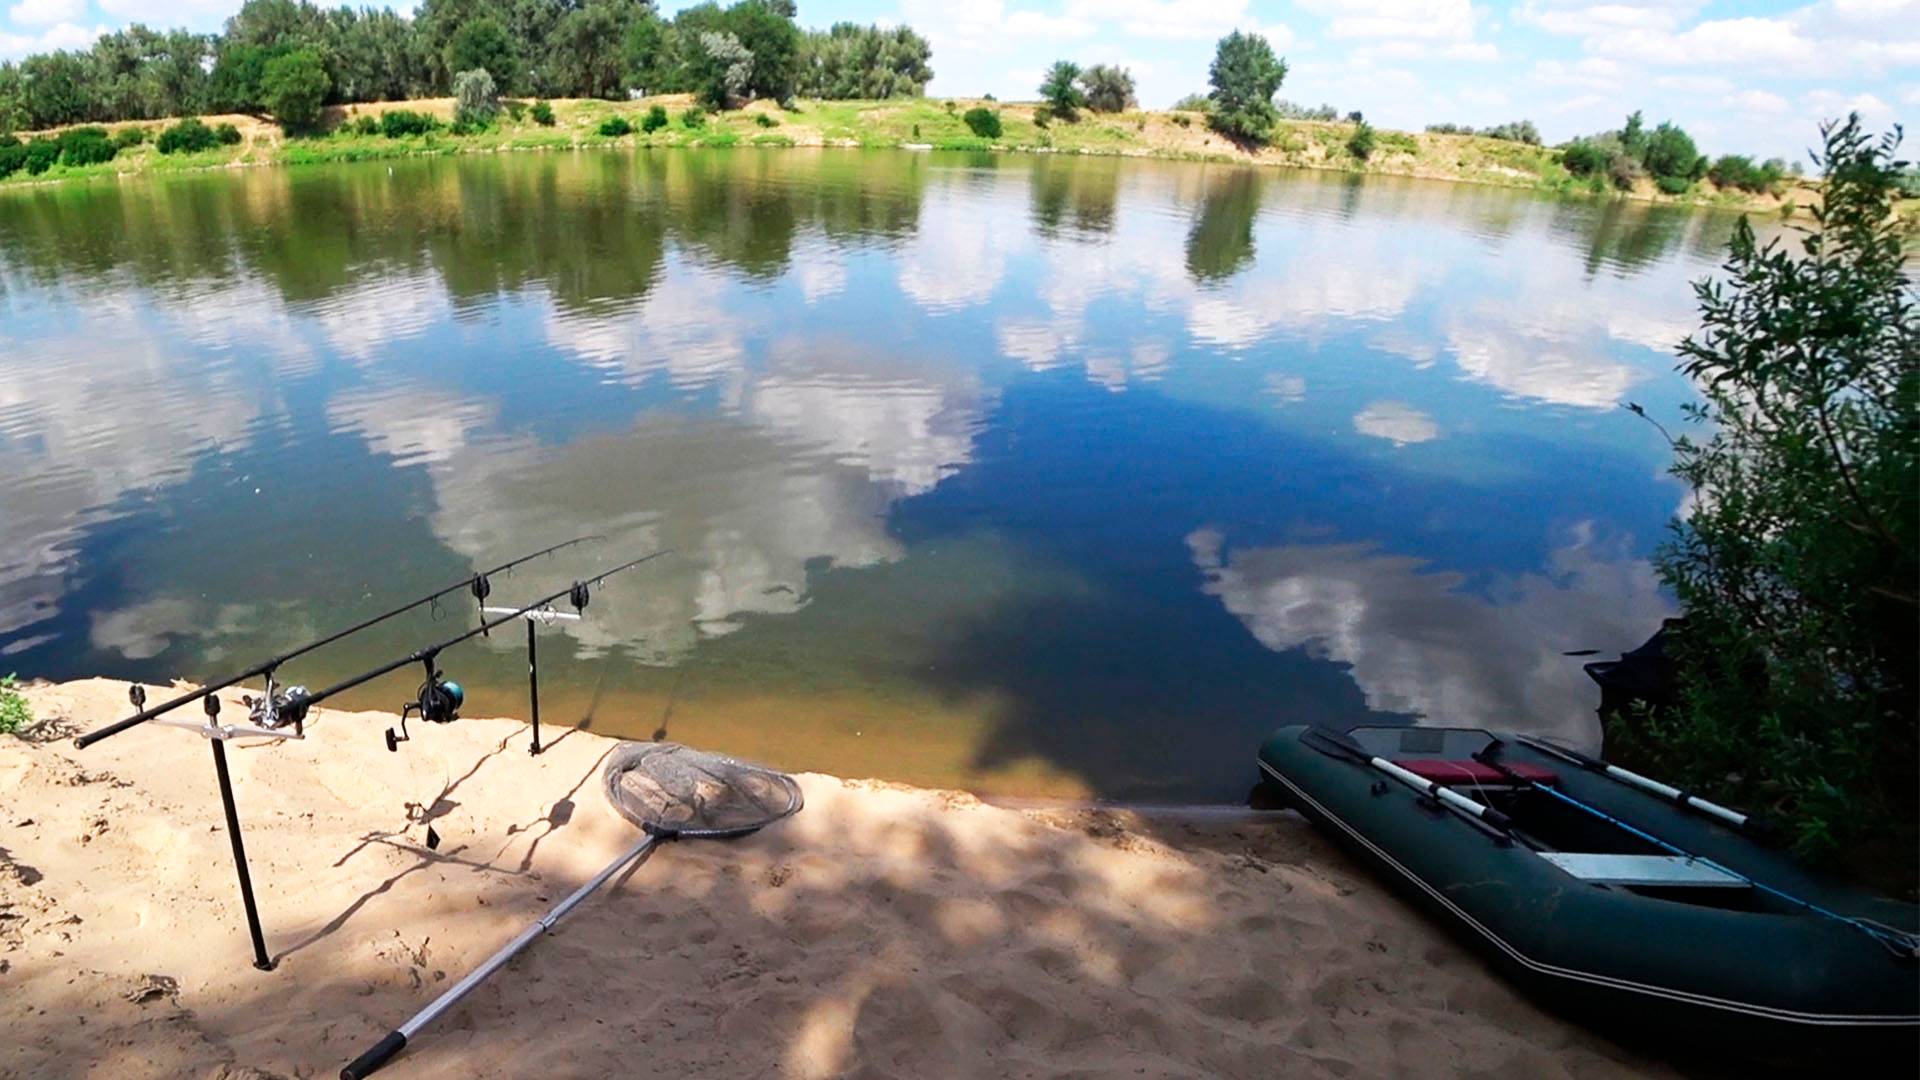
[885, 931]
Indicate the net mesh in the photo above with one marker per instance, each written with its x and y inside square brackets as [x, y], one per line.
[669, 790]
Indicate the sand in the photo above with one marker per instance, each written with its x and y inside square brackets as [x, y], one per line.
[884, 931]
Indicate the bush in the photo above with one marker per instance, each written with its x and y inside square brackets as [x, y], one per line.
[189, 136]
[1669, 151]
[366, 124]
[1323, 113]
[1584, 158]
[1182, 119]
[1061, 90]
[293, 86]
[476, 101]
[1673, 185]
[13, 156]
[14, 711]
[1360, 143]
[1245, 75]
[1193, 103]
[615, 126]
[132, 135]
[983, 122]
[765, 120]
[1624, 171]
[226, 134]
[1795, 564]
[1042, 117]
[655, 119]
[1108, 88]
[401, 123]
[1739, 171]
[694, 118]
[41, 154]
[542, 114]
[86, 146]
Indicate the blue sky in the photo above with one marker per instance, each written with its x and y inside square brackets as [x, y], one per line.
[1752, 77]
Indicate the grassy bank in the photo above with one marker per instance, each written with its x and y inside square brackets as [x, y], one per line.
[921, 123]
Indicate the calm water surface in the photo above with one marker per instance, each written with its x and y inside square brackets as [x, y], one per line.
[1039, 476]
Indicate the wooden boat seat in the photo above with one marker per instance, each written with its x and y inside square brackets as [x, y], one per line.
[1645, 870]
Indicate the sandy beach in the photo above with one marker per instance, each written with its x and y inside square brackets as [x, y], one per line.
[884, 931]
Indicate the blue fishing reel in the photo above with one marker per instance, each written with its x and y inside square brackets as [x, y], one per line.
[438, 702]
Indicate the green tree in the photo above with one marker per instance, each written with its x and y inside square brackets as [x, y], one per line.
[586, 56]
[1796, 562]
[1669, 152]
[983, 122]
[293, 87]
[766, 30]
[866, 62]
[648, 55]
[722, 70]
[1061, 90]
[1360, 143]
[483, 43]
[1109, 88]
[1245, 76]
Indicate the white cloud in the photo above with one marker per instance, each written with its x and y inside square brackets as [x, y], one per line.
[1425, 20]
[46, 12]
[987, 25]
[64, 35]
[1758, 101]
[1585, 20]
[1833, 104]
[1397, 422]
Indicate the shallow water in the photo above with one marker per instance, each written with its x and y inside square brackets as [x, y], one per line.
[1039, 476]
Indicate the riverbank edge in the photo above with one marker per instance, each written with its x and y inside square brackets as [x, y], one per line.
[1156, 135]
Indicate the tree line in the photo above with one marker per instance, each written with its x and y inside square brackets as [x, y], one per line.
[276, 54]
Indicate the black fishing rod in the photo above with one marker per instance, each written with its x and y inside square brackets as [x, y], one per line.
[440, 700]
[477, 584]
[1901, 943]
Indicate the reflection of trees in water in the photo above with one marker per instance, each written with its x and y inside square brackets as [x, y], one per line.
[1621, 235]
[1220, 244]
[592, 228]
[1075, 194]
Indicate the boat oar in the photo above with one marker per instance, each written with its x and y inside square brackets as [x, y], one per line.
[1345, 746]
[1755, 826]
[1901, 943]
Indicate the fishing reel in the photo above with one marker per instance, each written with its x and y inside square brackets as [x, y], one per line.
[274, 711]
[437, 702]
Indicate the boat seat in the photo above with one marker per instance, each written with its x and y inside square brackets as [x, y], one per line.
[1474, 773]
[1645, 870]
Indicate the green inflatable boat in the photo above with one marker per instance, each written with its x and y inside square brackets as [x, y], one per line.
[1625, 903]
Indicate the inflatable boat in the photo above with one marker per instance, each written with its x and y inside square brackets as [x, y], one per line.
[1623, 902]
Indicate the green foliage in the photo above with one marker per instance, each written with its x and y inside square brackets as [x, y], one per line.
[1182, 119]
[15, 714]
[1520, 131]
[1108, 88]
[867, 63]
[188, 136]
[721, 70]
[1739, 171]
[226, 134]
[1796, 562]
[1624, 170]
[655, 119]
[983, 122]
[293, 86]
[484, 44]
[1583, 157]
[1245, 76]
[41, 156]
[694, 118]
[86, 146]
[586, 51]
[766, 120]
[1397, 142]
[1669, 152]
[615, 126]
[1193, 103]
[366, 124]
[542, 114]
[1061, 90]
[401, 123]
[13, 156]
[130, 136]
[1360, 143]
[476, 101]
[1673, 185]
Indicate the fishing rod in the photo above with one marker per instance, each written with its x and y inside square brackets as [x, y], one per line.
[439, 699]
[1899, 942]
[271, 711]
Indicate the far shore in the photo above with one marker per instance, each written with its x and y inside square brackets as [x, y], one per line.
[884, 930]
[912, 124]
